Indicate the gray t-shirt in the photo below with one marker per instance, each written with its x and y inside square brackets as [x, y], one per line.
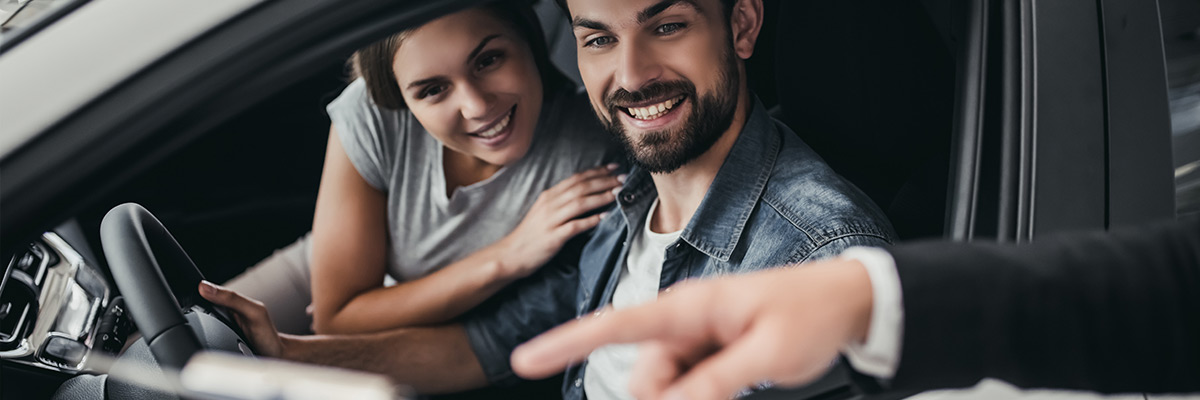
[427, 230]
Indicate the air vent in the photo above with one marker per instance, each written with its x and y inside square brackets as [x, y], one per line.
[34, 261]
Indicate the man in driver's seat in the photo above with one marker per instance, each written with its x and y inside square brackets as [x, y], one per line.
[718, 187]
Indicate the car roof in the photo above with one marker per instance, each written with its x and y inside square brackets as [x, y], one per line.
[71, 62]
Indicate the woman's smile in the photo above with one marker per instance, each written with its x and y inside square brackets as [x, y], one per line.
[495, 133]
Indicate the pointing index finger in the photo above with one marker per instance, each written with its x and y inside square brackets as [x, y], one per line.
[570, 343]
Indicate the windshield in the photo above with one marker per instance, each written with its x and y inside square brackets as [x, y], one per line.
[21, 18]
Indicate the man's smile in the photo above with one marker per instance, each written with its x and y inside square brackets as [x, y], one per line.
[654, 110]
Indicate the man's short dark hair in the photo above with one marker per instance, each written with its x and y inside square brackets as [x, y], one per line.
[726, 7]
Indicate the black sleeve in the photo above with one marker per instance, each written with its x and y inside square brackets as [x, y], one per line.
[1115, 312]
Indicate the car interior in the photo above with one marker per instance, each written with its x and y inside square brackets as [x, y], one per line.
[248, 186]
[869, 84]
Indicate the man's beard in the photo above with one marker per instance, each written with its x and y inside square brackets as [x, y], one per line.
[666, 151]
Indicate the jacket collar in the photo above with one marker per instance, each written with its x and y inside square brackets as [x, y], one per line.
[718, 223]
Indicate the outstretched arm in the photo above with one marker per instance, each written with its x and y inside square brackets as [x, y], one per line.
[1104, 311]
[1107, 312]
[751, 331]
[431, 360]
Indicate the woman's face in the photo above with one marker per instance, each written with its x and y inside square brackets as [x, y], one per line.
[471, 81]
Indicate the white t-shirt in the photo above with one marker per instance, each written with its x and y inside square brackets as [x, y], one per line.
[428, 230]
[609, 367]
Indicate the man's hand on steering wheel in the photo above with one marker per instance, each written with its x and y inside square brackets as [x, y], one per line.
[250, 314]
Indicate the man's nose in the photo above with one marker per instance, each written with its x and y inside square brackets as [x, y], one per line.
[636, 68]
[476, 102]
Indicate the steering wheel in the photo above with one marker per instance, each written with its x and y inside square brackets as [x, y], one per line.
[159, 283]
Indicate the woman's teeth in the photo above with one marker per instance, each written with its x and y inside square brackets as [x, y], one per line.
[653, 111]
[490, 133]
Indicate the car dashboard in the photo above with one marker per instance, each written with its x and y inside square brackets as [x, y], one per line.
[57, 309]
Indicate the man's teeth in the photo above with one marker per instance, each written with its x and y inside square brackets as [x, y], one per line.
[653, 111]
[490, 133]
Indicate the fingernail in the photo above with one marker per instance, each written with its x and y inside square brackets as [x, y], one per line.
[612, 166]
[621, 178]
[207, 287]
[615, 191]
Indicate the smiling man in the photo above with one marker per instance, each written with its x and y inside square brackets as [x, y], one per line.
[718, 187]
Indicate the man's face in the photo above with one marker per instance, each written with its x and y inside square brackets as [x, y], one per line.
[661, 75]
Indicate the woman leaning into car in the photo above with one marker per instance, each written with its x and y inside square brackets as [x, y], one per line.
[453, 166]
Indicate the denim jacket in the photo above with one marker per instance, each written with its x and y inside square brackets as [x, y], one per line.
[774, 202]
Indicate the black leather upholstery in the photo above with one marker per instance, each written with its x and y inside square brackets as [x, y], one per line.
[135, 361]
[82, 387]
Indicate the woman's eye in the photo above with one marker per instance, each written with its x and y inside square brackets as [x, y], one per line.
[487, 61]
[669, 28]
[433, 90]
[599, 42]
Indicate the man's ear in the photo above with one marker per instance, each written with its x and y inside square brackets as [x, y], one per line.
[746, 21]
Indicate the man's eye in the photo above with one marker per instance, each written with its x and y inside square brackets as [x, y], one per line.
[667, 29]
[599, 42]
[432, 90]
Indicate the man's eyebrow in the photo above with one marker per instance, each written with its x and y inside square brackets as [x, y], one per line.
[650, 12]
[643, 16]
[581, 22]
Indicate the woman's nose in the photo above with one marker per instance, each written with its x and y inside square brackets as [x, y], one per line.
[476, 103]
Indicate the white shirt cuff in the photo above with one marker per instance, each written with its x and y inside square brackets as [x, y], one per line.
[880, 354]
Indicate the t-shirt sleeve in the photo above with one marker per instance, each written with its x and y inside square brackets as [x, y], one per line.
[523, 310]
[370, 135]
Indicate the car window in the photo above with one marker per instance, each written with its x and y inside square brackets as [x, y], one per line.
[19, 18]
[1181, 42]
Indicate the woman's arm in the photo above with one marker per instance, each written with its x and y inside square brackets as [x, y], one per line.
[349, 240]
[349, 250]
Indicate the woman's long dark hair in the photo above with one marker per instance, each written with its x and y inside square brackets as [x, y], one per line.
[374, 62]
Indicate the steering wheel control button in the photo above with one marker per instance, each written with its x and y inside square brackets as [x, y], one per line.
[66, 352]
[114, 327]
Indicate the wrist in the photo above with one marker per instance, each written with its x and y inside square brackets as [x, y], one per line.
[861, 300]
[502, 262]
[875, 340]
[289, 347]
